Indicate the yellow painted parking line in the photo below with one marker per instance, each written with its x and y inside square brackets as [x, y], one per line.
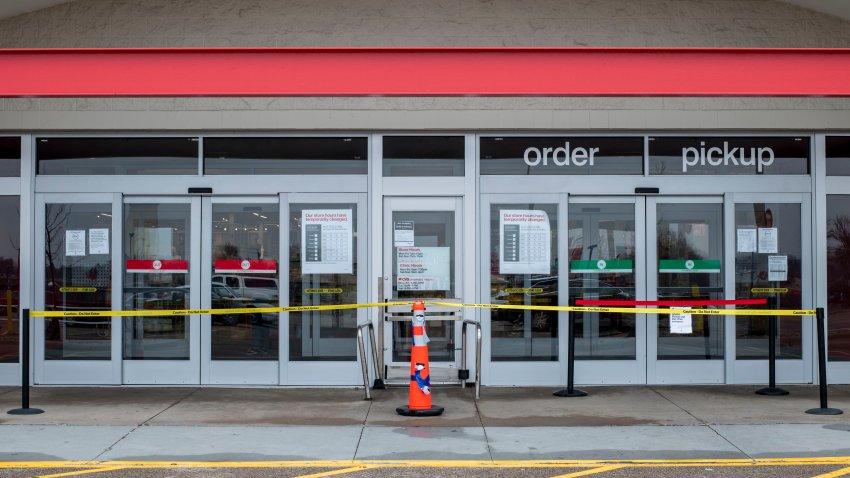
[836, 473]
[84, 472]
[337, 472]
[592, 471]
[647, 463]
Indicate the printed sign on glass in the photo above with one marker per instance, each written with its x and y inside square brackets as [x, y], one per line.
[423, 268]
[526, 242]
[326, 241]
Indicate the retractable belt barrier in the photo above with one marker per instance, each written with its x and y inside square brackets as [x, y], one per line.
[308, 308]
[642, 308]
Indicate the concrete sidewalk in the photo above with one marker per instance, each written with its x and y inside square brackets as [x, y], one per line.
[260, 424]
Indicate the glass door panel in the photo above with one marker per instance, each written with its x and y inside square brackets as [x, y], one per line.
[421, 261]
[689, 241]
[602, 267]
[772, 270]
[323, 271]
[10, 245]
[78, 276]
[245, 274]
[685, 258]
[524, 271]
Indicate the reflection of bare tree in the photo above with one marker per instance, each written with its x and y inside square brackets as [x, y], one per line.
[54, 225]
[838, 232]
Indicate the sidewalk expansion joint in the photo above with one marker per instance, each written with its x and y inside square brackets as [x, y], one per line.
[145, 423]
[702, 423]
[483, 428]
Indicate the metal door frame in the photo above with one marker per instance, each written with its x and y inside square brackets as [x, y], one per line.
[172, 372]
[233, 372]
[425, 204]
[681, 371]
[77, 372]
[787, 371]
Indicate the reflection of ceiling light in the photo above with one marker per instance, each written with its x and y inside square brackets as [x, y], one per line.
[104, 214]
[224, 219]
[225, 228]
[259, 215]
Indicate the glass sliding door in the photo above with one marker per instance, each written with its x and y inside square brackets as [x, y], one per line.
[686, 264]
[421, 260]
[76, 250]
[160, 273]
[607, 261]
[241, 270]
[325, 250]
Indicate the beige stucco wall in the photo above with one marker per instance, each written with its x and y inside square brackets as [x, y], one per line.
[208, 23]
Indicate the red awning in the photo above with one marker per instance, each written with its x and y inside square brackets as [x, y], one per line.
[424, 72]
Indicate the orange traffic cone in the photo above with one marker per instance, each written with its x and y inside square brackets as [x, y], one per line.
[419, 403]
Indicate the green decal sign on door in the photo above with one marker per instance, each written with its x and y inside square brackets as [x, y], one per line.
[694, 266]
[602, 266]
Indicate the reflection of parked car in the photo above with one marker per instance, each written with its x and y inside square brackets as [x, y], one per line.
[260, 288]
[175, 298]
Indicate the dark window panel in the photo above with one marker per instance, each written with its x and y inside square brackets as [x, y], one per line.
[10, 157]
[117, 156]
[423, 156]
[261, 156]
[838, 156]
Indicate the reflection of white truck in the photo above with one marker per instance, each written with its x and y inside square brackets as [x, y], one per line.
[263, 289]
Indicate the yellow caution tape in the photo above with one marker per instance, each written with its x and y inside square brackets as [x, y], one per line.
[78, 289]
[633, 310]
[524, 290]
[309, 308]
[769, 290]
[325, 290]
[244, 310]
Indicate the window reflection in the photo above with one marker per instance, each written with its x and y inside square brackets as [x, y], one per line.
[838, 276]
[245, 274]
[156, 251]
[602, 267]
[78, 276]
[10, 268]
[754, 279]
[523, 335]
[323, 334]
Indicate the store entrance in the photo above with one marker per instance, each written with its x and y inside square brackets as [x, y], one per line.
[647, 249]
[111, 252]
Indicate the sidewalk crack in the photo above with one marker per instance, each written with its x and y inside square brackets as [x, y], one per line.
[144, 423]
[703, 423]
[362, 430]
[483, 429]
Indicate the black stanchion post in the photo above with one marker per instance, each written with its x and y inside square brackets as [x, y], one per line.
[25, 369]
[824, 409]
[571, 358]
[771, 351]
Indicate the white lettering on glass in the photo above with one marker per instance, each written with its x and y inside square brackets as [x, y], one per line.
[714, 156]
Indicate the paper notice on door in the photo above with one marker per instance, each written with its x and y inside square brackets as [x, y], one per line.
[75, 243]
[768, 240]
[326, 241]
[777, 268]
[423, 268]
[681, 323]
[746, 240]
[526, 242]
[98, 241]
[403, 234]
